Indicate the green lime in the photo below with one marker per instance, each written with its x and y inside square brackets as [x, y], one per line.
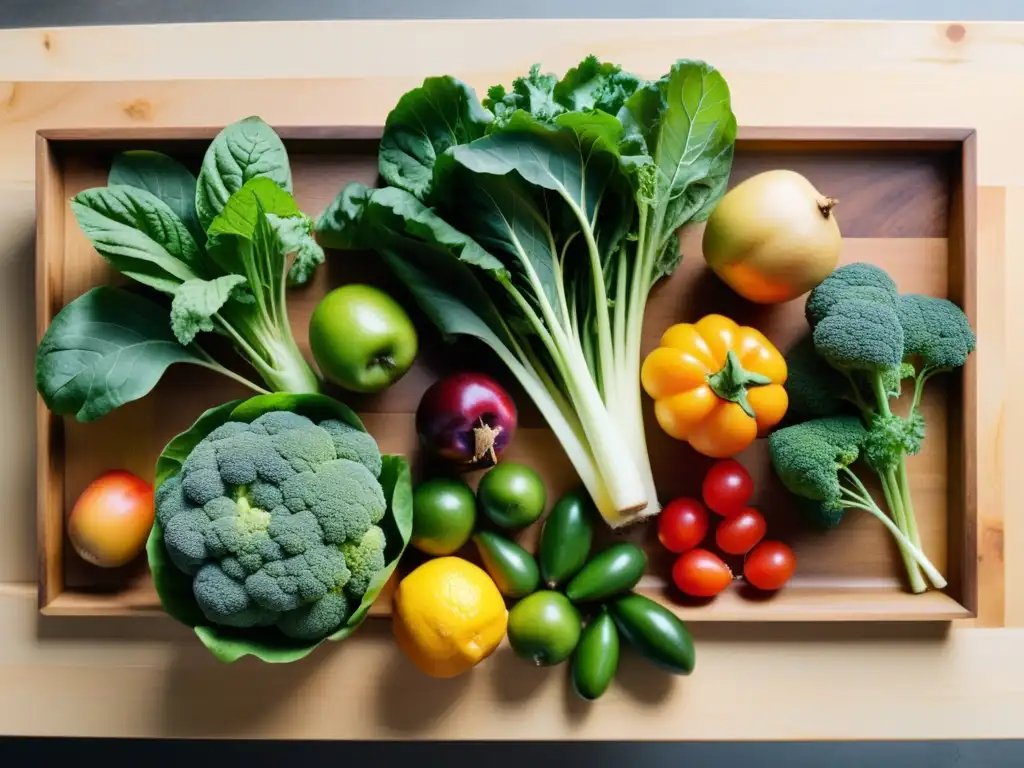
[544, 628]
[512, 495]
[443, 516]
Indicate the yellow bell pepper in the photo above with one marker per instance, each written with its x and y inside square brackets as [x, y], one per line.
[717, 385]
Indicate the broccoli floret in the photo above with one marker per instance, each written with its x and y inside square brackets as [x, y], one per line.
[354, 444]
[316, 619]
[853, 281]
[936, 331]
[814, 387]
[264, 516]
[860, 335]
[813, 460]
[345, 498]
[364, 559]
[808, 457]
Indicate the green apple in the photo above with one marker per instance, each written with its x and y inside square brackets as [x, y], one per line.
[361, 338]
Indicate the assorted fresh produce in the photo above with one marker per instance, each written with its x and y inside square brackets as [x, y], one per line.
[536, 222]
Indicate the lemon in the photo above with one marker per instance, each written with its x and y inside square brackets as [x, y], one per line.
[448, 616]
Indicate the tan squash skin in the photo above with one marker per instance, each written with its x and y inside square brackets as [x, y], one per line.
[773, 237]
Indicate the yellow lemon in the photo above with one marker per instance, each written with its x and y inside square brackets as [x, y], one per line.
[448, 616]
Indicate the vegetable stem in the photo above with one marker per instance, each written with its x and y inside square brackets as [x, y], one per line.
[864, 502]
[209, 362]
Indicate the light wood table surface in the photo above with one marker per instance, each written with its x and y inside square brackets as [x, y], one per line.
[145, 677]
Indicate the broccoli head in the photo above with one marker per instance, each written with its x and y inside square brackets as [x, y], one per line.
[859, 280]
[808, 457]
[276, 522]
[858, 334]
[936, 331]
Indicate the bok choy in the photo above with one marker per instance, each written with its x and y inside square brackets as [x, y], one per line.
[537, 222]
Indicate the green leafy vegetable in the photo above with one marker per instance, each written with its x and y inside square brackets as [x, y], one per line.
[269, 539]
[541, 232]
[163, 177]
[248, 149]
[107, 348]
[228, 278]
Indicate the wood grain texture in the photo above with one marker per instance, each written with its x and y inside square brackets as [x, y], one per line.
[139, 677]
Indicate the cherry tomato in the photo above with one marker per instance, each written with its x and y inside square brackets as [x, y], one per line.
[727, 487]
[701, 573]
[737, 534]
[770, 565]
[682, 524]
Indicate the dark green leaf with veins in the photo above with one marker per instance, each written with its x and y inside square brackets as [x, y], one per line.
[104, 349]
[427, 121]
[165, 178]
[139, 235]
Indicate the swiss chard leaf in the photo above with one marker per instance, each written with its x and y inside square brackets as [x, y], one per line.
[197, 301]
[164, 177]
[245, 150]
[686, 124]
[104, 349]
[427, 121]
[139, 235]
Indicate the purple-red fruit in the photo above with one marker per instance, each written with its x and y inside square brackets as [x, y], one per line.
[467, 419]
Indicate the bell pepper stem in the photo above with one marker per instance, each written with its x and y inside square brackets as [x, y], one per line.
[732, 381]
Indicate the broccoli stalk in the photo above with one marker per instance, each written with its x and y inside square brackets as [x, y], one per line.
[874, 337]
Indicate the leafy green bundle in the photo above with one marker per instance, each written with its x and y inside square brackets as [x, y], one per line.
[538, 223]
[217, 245]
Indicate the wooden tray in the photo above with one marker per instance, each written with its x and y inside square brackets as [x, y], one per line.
[907, 203]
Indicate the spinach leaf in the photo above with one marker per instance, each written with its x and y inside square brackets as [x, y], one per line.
[245, 150]
[164, 177]
[139, 235]
[427, 121]
[104, 349]
[242, 210]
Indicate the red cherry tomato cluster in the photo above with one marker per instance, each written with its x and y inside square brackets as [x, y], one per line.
[684, 524]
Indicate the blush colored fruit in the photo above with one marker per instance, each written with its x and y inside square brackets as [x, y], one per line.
[111, 520]
[773, 237]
